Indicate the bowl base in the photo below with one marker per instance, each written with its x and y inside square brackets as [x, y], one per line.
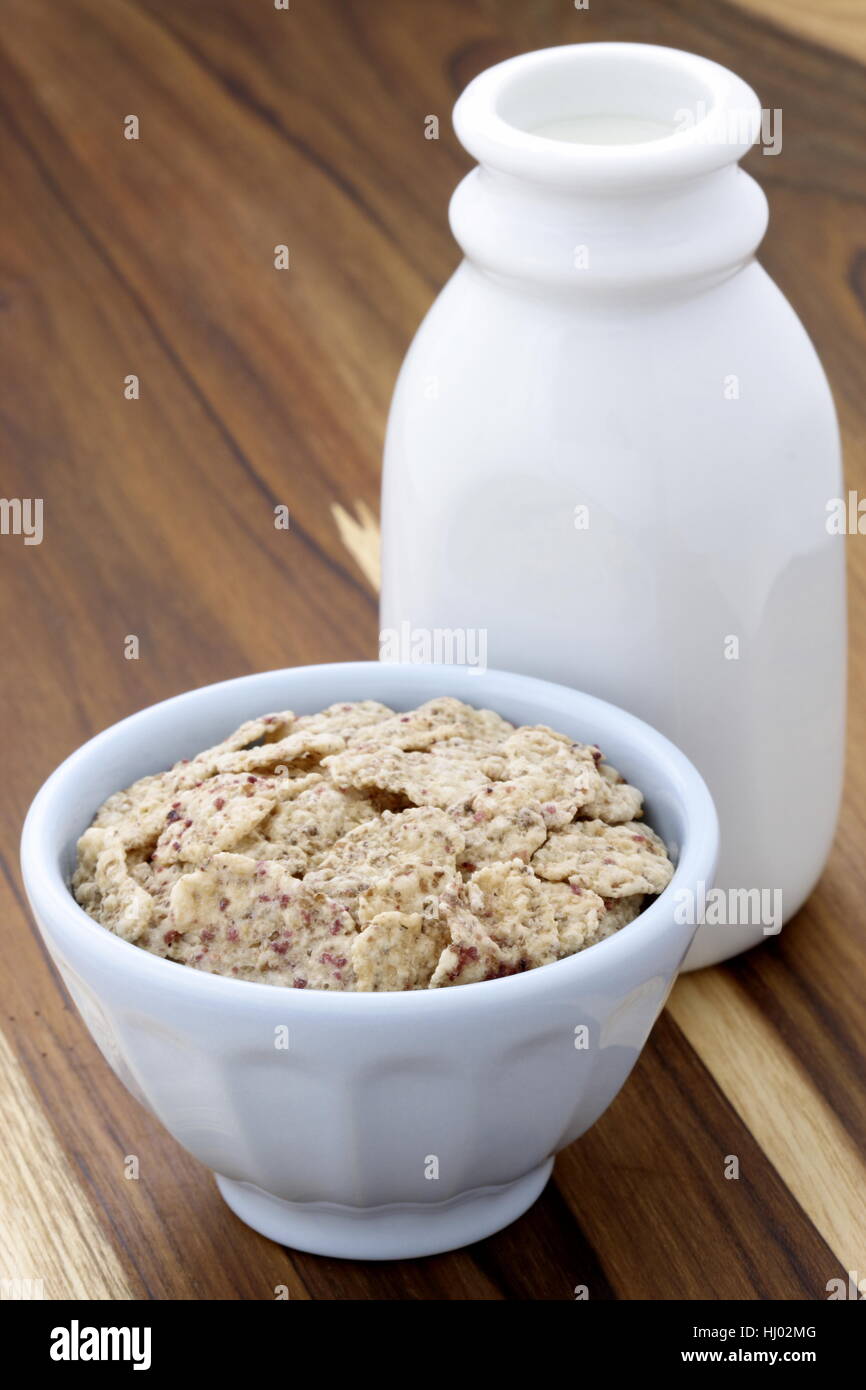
[403, 1231]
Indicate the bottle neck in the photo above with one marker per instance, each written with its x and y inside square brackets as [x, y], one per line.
[579, 242]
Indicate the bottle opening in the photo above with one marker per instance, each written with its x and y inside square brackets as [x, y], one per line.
[581, 95]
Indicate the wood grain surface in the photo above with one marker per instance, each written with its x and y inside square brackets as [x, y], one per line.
[258, 387]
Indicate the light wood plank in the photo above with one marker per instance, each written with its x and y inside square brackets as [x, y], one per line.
[781, 1106]
[360, 536]
[836, 24]
[48, 1229]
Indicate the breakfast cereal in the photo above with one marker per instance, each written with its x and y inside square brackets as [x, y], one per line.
[365, 849]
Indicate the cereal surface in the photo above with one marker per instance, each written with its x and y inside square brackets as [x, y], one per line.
[615, 861]
[366, 849]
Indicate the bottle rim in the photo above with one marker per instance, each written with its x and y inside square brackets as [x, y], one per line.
[708, 117]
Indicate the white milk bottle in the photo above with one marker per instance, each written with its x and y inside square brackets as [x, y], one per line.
[612, 447]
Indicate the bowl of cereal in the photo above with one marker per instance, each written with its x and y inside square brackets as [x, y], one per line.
[374, 942]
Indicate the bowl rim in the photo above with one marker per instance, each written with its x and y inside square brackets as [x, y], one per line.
[51, 899]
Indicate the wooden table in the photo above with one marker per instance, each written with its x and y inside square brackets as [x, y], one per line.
[154, 258]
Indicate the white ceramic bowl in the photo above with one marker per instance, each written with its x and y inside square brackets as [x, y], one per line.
[392, 1125]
